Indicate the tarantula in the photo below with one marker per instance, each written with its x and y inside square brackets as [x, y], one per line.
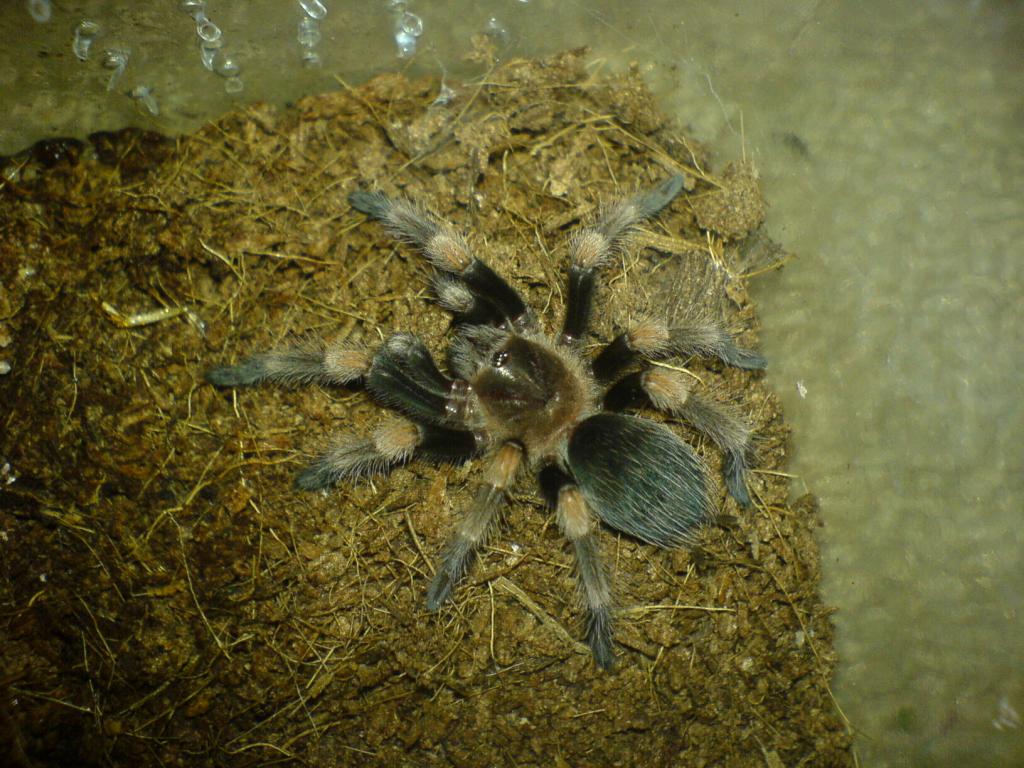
[527, 401]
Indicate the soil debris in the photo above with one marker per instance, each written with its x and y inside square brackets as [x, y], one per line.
[170, 599]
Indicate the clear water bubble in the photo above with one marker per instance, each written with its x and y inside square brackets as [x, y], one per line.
[406, 44]
[225, 66]
[212, 44]
[409, 23]
[208, 55]
[85, 34]
[117, 60]
[309, 32]
[396, 5]
[195, 8]
[313, 8]
[496, 30]
[144, 95]
[234, 85]
[208, 31]
[311, 59]
[39, 10]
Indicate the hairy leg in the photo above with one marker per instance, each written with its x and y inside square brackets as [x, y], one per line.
[400, 374]
[311, 361]
[487, 296]
[475, 526]
[392, 444]
[654, 340]
[580, 527]
[403, 375]
[592, 248]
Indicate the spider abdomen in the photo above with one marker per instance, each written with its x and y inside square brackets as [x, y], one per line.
[640, 478]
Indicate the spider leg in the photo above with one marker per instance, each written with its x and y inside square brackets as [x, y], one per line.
[592, 248]
[713, 340]
[467, 308]
[486, 295]
[393, 443]
[472, 531]
[670, 391]
[401, 374]
[580, 527]
[312, 361]
[653, 340]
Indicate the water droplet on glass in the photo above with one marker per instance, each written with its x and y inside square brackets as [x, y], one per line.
[225, 66]
[234, 85]
[496, 30]
[309, 32]
[406, 44]
[114, 58]
[144, 94]
[117, 60]
[410, 23]
[194, 8]
[39, 10]
[208, 55]
[85, 34]
[208, 31]
[313, 8]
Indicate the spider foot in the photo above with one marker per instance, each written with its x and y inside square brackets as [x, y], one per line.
[734, 465]
[599, 637]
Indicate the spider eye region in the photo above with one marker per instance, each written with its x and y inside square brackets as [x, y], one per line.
[527, 391]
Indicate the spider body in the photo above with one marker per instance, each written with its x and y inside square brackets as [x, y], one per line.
[525, 401]
[530, 392]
